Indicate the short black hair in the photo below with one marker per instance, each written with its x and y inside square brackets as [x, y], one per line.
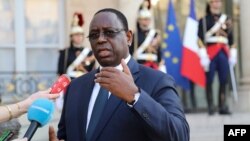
[119, 14]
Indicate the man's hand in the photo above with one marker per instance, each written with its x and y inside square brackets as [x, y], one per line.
[121, 84]
[52, 134]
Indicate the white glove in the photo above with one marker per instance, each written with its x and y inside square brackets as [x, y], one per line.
[162, 67]
[233, 57]
[204, 59]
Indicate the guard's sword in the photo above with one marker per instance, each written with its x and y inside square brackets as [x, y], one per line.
[233, 81]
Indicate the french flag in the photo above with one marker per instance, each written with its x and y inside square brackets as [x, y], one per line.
[191, 67]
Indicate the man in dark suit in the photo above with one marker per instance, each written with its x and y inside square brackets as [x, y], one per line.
[142, 104]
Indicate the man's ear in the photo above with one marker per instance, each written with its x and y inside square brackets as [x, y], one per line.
[129, 37]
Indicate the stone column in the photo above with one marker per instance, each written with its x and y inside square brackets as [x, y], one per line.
[243, 104]
[245, 42]
[130, 9]
[20, 50]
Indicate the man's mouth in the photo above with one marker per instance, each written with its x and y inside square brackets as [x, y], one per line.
[104, 53]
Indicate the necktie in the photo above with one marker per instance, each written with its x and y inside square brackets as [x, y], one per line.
[100, 102]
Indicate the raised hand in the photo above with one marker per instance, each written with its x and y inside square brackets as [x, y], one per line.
[119, 83]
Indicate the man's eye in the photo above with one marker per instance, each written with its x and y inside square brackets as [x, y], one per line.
[93, 35]
[109, 33]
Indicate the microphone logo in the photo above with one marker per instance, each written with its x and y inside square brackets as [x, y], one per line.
[62, 82]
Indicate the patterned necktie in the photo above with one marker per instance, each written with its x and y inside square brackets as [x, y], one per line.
[100, 102]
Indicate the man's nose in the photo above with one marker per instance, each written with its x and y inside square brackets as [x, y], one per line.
[102, 37]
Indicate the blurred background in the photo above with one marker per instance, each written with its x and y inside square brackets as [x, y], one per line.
[33, 31]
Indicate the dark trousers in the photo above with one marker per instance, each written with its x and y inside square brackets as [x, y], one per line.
[218, 64]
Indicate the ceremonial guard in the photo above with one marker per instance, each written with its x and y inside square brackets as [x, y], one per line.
[146, 44]
[76, 59]
[217, 52]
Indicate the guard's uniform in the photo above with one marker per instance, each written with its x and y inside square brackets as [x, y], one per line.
[69, 55]
[217, 36]
[146, 44]
[72, 60]
[146, 59]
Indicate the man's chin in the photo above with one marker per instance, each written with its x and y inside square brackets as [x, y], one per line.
[144, 28]
[108, 63]
[105, 62]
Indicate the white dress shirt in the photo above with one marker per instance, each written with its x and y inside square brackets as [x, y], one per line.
[96, 90]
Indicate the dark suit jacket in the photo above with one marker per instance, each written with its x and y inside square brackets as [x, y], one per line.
[157, 115]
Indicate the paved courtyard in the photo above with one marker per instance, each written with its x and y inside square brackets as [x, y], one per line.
[202, 126]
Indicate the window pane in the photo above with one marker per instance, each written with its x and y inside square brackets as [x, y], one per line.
[42, 59]
[41, 21]
[6, 22]
[7, 59]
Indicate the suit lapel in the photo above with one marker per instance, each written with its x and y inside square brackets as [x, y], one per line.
[114, 102]
[108, 111]
[134, 68]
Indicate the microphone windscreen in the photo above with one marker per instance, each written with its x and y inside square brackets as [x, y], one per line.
[61, 83]
[41, 111]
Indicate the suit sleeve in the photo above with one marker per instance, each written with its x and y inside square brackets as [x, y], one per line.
[61, 133]
[162, 112]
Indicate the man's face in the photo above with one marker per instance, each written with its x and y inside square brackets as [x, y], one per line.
[108, 39]
[144, 23]
[215, 6]
[77, 38]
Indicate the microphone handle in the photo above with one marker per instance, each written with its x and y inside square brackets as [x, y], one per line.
[31, 130]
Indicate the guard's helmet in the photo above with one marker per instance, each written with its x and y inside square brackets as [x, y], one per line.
[144, 10]
[77, 23]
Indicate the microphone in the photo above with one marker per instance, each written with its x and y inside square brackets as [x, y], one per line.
[39, 114]
[61, 83]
